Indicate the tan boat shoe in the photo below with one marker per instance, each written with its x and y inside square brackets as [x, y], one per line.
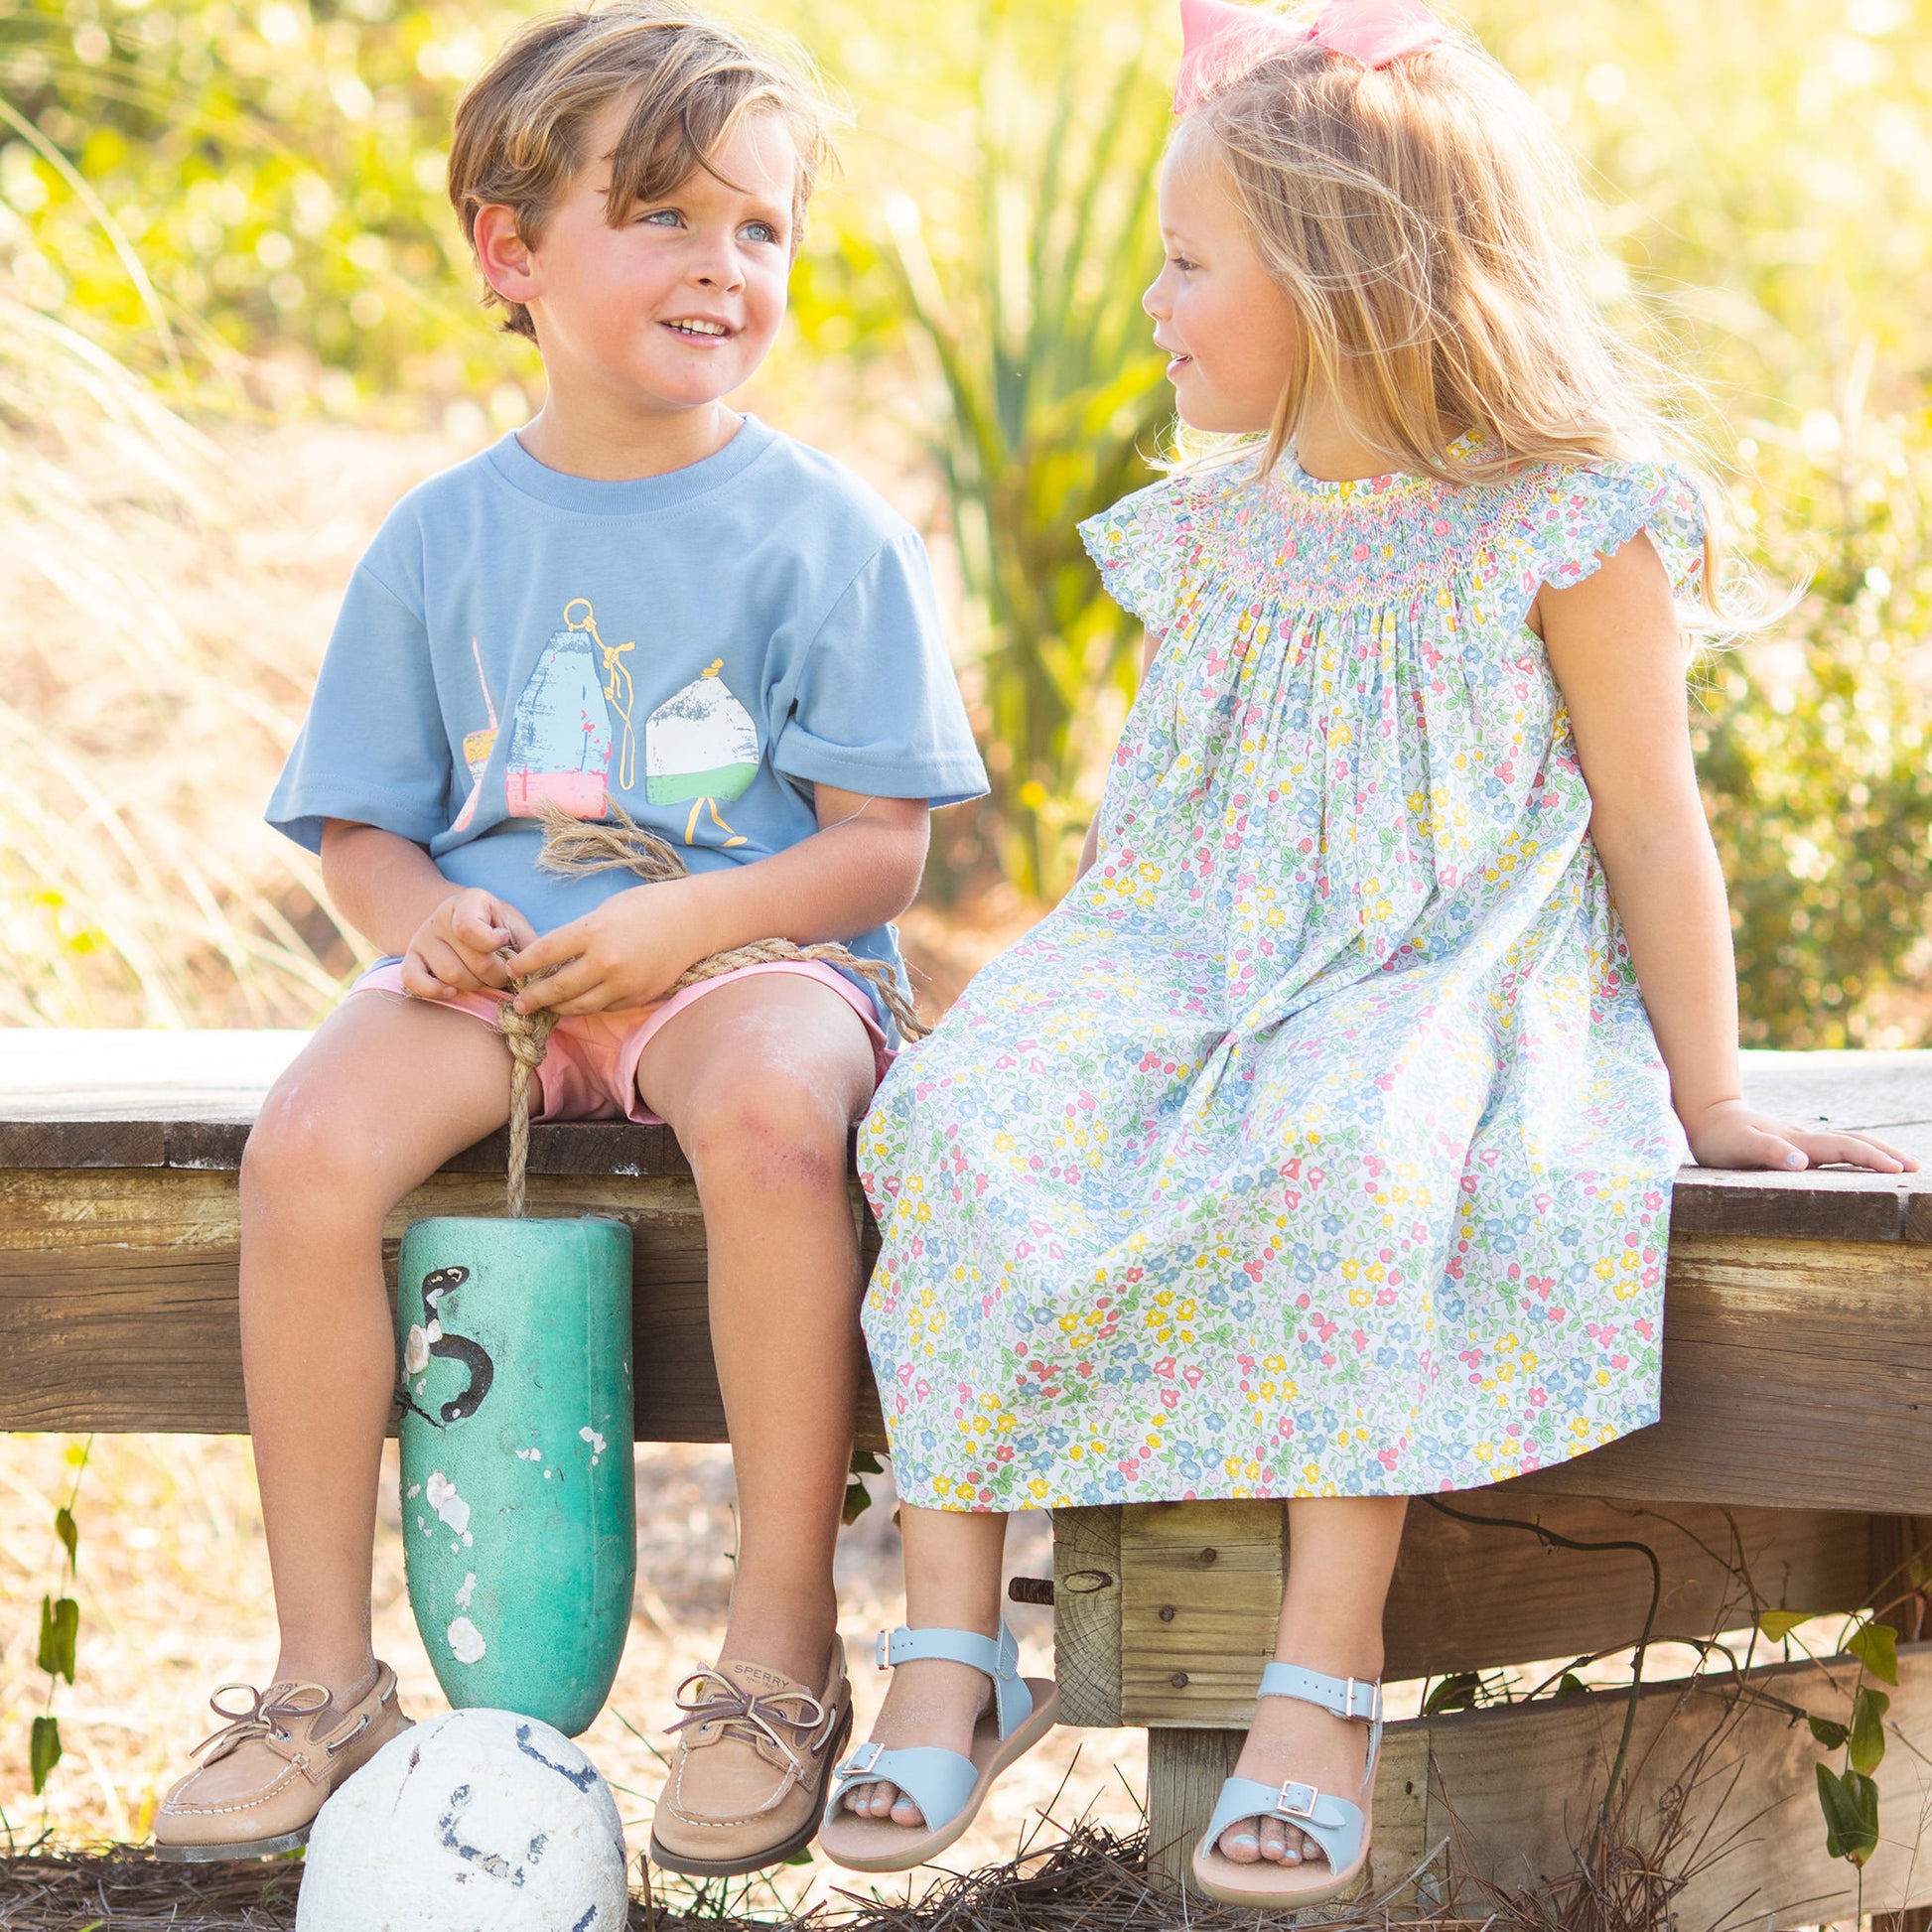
[264, 1775]
[753, 1758]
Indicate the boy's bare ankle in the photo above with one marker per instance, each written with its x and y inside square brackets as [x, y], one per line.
[346, 1679]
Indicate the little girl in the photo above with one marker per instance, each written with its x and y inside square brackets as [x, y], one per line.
[1319, 1145]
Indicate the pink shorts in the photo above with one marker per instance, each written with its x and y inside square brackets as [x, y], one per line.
[589, 1070]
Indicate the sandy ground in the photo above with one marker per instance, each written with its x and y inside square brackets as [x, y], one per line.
[173, 1595]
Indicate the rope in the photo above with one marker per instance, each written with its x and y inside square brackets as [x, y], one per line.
[574, 848]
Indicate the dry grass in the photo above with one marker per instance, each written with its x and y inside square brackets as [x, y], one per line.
[174, 1594]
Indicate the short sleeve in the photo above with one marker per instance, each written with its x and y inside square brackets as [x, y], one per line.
[1586, 514]
[876, 706]
[1139, 547]
[373, 748]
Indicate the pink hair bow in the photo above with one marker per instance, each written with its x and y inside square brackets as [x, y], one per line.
[1221, 41]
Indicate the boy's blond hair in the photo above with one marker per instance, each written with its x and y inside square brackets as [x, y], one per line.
[521, 129]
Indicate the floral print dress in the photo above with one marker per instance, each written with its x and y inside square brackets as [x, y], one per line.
[1317, 1143]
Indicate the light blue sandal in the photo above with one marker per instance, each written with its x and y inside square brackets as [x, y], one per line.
[948, 1788]
[1340, 1825]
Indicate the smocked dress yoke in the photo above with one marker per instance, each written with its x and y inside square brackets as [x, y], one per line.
[1316, 1142]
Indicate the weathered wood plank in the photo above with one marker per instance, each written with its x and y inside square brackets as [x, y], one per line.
[102, 1098]
[1086, 1614]
[117, 1298]
[1491, 1792]
[1196, 1631]
[1795, 1374]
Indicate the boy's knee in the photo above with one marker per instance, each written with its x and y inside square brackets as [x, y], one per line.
[780, 1126]
[304, 1152]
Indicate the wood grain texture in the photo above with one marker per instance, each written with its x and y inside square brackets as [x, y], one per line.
[1796, 1374]
[1187, 1769]
[105, 1099]
[1086, 1614]
[117, 1297]
[1483, 1781]
[1196, 1634]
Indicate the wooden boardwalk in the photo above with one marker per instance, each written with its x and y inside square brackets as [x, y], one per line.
[1796, 1434]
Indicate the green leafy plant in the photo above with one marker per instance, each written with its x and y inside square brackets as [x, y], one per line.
[1043, 395]
[60, 1629]
[1848, 1796]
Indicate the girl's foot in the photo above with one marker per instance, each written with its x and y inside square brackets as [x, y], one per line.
[1293, 1740]
[930, 1702]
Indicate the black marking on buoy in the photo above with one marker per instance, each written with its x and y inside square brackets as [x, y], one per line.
[583, 1779]
[438, 1283]
[492, 1863]
[584, 1923]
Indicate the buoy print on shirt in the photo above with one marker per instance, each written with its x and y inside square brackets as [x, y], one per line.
[476, 747]
[701, 747]
[561, 731]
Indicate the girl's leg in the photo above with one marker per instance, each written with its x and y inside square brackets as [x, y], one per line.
[1341, 1555]
[952, 1583]
[388, 1090]
[761, 1081]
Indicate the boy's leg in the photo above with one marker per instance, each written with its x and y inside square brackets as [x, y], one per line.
[388, 1090]
[762, 1080]
[1341, 1553]
[952, 1583]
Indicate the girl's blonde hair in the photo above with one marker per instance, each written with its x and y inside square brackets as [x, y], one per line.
[522, 129]
[1435, 243]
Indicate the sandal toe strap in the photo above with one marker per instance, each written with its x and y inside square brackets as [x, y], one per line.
[1333, 1823]
[938, 1781]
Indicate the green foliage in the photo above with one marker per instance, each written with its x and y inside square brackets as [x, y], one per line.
[1866, 1742]
[1779, 1624]
[1875, 1646]
[1831, 1735]
[1458, 1692]
[1019, 276]
[60, 1629]
[60, 1626]
[44, 1751]
[1850, 1806]
[858, 1499]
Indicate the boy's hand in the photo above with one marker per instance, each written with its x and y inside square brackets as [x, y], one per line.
[1729, 1135]
[626, 953]
[456, 949]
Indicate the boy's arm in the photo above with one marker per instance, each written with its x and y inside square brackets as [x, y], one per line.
[390, 891]
[859, 870]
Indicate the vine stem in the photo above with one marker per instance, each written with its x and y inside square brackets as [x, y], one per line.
[1553, 1538]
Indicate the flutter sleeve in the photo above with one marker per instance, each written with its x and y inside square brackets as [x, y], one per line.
[1581, 516]
[1141, 546]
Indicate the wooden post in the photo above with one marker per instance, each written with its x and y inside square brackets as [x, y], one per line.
[1895, 1541]
[1185, 1770]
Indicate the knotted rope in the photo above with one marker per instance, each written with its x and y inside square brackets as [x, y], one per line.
[573, 847]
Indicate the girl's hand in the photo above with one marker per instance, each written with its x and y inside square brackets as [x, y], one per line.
[456, 949]
[626, 953]
[1729, 1135]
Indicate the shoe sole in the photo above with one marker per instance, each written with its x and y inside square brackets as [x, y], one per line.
[260, 1848]
[908, 1848]
[687, 1866]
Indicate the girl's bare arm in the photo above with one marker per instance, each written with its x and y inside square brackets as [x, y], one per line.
[1614, 646]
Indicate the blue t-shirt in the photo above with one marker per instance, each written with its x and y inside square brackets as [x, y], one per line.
[704, 646]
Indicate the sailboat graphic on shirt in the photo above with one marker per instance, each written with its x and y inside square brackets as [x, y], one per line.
[476, 747]
[562, 731]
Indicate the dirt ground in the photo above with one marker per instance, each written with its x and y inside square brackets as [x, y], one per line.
[174, 1595]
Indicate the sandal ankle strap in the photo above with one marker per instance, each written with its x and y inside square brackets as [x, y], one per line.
[998, 1658]
[1358, 1699]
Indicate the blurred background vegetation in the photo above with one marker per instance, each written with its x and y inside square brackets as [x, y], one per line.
[236, 318]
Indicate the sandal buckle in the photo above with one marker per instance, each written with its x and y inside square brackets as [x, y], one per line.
[880, 1657]
[865, 1757]
[1296, 1800]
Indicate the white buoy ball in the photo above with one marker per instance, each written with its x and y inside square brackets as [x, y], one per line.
[477, 1821]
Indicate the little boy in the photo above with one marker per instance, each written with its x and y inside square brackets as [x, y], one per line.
[647, 600]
